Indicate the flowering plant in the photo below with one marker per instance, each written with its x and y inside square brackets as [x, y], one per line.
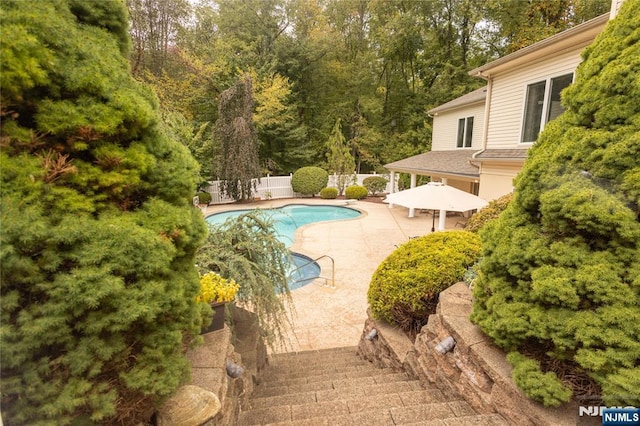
[214, 288]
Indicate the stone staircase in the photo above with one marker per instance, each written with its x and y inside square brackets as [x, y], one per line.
[336, 387]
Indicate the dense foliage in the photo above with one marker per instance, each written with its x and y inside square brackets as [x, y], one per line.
[246, 250]
[309, 180]
[376, 66]
[375, 184]
[98, 233]
[329, 193]
[355, 192]
[560, 279]
[488, 213]
[404, 289]
[204, 197]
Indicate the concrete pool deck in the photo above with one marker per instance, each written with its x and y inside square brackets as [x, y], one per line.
[334, 317]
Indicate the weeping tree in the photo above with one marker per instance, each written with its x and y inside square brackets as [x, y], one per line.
[246, 250]
[236, 134]
[560, 281]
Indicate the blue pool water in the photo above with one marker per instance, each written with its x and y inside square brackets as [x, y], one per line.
[286, 220]
[302, 270]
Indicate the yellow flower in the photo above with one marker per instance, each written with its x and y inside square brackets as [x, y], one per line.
[214, 288]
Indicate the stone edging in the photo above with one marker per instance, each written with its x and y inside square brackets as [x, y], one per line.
[475, 369]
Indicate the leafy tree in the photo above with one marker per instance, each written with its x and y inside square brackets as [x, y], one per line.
[98, 236]
[236, 134]
[155, 26]
[560, 278]
[518, 24]
[339, 158]
[282, 138]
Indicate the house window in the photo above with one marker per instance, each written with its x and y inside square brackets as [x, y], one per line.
[465, 132]
[542, 105]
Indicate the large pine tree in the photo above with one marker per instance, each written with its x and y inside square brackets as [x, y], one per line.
[98, 236]
[560, 284]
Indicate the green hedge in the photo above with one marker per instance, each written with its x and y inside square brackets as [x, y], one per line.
[356, 192]
[488, 213]
[374, 184]
[204, 197]
[309, 180]
[407, 283]
[329, 193]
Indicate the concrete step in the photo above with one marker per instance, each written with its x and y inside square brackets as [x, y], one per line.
[264, 390]
[356, 397]
[336, 387]
[342, 412]
[315, 376]
[476, 420]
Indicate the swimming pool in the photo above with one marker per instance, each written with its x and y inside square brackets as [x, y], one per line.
[286, 220]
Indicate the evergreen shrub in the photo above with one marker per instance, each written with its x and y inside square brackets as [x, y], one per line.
[404, 289]
[560, 274]
[98, 231]
[329, 193]
[479, 219]
[374, 184]
[204, 197]
[355, 192]
[309, 180]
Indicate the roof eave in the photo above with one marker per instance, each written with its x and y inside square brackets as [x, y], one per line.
[583, 33]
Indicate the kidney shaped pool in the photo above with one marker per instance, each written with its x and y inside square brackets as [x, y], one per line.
[286, 220]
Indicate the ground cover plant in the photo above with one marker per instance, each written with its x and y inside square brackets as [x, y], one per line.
[404, 289]
[559, 287]
[98, 231]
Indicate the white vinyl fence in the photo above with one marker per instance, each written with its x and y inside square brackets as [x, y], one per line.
[280, 187]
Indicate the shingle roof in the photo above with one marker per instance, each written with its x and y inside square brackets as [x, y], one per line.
[478, 95]
[454, 162]
[503, 154]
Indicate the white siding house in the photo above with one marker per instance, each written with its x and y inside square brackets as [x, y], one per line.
[458, 127]
[522, 95]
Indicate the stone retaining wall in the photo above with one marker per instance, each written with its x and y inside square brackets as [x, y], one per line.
[214, 397]
[474, 369]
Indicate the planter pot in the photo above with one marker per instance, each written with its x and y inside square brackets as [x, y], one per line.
[218, 318]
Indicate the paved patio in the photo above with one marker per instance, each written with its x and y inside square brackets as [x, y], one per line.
[329, 318]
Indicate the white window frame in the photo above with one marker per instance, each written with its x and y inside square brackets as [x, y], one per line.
[466, 142]
[546, 102]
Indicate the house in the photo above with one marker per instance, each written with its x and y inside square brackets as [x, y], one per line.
[481, 139]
